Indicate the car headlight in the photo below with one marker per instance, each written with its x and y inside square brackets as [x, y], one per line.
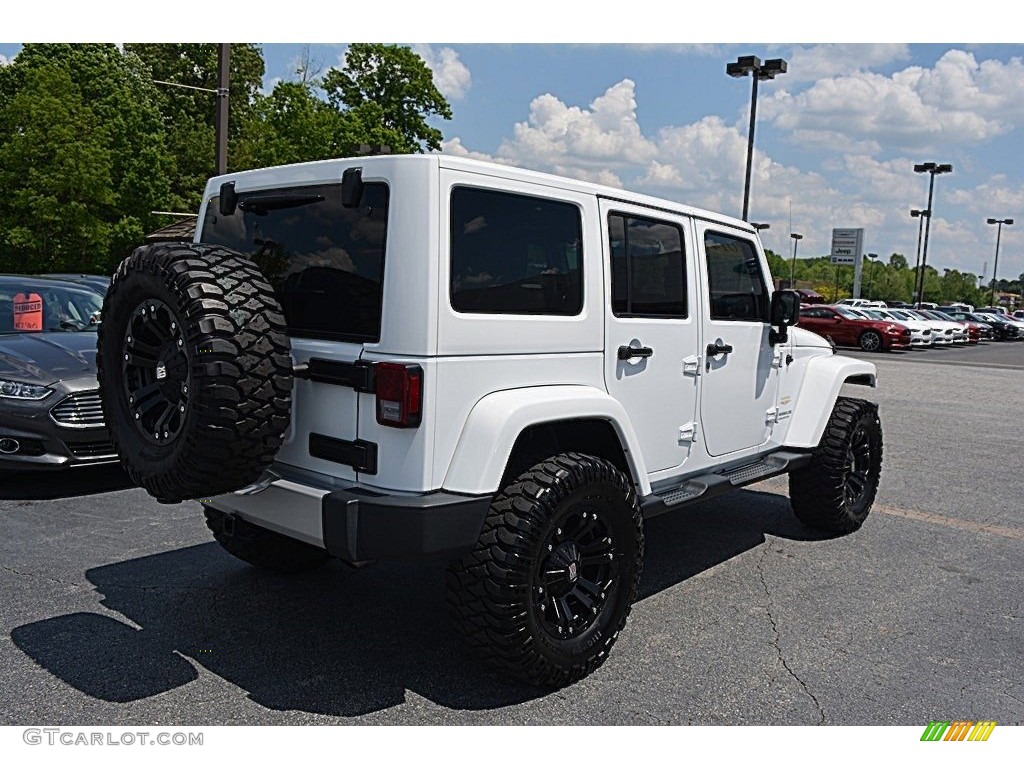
[16, 390]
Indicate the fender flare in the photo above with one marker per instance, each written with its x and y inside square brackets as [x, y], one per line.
[497, 420]
[823, 378]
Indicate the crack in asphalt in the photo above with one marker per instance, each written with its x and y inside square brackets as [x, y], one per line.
[775, 640]
[44, 578]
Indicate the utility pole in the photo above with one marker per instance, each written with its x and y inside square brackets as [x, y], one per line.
[223, 78]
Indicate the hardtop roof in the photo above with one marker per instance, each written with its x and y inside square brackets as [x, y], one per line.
[316, 170]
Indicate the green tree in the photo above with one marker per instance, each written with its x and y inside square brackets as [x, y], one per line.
[189, 115]
[291, 125]
[898, 261]
[83, 157]
[58, 176]
[387, 91]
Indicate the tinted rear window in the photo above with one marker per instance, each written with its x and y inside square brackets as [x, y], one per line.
[326, 262]
[515, 254]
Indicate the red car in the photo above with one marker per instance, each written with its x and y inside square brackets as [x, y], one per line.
[847, 329]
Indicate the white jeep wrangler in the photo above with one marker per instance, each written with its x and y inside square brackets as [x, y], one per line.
[428, 357]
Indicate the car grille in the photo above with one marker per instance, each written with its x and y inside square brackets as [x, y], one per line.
[91, 449]
[81, 410]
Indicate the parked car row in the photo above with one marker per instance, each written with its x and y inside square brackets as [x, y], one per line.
[876, 329]
[50, 411]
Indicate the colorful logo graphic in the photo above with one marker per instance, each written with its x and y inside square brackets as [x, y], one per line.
[958, 730]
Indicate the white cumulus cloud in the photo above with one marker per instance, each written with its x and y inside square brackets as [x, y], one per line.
[606, 136]
[813, 62]
[957, 102]
[451, 77]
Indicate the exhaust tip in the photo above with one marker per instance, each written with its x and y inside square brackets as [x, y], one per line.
[9, 445]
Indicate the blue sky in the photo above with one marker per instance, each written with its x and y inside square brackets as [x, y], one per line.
[837, 136]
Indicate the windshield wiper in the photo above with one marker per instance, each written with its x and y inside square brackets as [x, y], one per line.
[260, 204]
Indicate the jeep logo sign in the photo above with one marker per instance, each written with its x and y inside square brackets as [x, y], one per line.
[847, 245]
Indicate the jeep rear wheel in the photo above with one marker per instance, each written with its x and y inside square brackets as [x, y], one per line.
[194, 370]
[551, 581]
[835, 491]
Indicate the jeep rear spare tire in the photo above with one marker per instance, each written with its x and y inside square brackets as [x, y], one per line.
[194, 370]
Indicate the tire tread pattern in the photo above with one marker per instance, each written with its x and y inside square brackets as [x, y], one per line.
[241, 369]
[487, 591]
[818, 491]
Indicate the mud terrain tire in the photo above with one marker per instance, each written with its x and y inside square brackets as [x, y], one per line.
[194, 370]
[551, 581]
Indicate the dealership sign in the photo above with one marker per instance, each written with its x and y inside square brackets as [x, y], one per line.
[847, 245]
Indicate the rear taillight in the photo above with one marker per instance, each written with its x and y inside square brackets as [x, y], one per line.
[399, 394]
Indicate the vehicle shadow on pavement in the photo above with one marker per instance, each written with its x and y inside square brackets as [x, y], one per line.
[62, 483]
[335, 642]
[682, 544]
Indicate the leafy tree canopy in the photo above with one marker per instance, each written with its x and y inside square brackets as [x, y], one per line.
[82, 156]
[390, 88]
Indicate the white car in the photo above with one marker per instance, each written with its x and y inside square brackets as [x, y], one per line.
[921, 334]
[961, 334]
[856, 303]
[943, 332]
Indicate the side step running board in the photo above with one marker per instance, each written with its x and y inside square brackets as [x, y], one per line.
[716, 483]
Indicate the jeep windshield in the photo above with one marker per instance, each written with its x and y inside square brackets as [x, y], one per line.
[326, 262]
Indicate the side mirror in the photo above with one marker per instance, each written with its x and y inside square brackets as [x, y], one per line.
[351, 187]
[785, 312]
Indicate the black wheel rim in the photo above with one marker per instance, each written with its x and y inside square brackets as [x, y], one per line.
[858, 467]
[576, 576]
[155, 370]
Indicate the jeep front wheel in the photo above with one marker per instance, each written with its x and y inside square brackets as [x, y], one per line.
[551, 581]
[194, 370]
[835, 491]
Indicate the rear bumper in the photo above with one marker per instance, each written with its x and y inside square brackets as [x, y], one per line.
[355, 523]
[433, 526]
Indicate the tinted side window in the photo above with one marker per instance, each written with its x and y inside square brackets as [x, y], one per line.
[648, 272]
[515, 254]
[325, 261]
[735, 281]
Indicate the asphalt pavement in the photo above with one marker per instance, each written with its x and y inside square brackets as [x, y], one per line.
[117, 609]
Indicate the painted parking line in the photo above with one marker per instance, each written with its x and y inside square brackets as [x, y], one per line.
[777, 485]
[951, 522]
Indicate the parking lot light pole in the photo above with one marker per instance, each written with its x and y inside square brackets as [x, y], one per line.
[751, 65]
[995, 269]
[922, 215]
[792, 263]
[871, 274]
[221, 114]
[934, 169]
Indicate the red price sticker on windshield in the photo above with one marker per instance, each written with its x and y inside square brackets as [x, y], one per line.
[28, 312]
